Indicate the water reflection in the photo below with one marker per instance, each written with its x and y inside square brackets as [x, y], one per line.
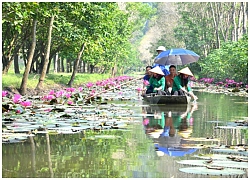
[168, 126]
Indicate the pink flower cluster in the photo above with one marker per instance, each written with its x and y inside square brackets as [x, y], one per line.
[68, 92]
[226, 83]
[4, 93]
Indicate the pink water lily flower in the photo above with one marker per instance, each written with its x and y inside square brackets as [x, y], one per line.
[52, 92]
[70, 102]
[145, 122]
[26, 103]
[89, 85]
[17, 98]
[145, 82]
[70, 89]
[59, 93]
[67, 95]
[139, 89]
[4, 93]
[80, 89]
[48, 97]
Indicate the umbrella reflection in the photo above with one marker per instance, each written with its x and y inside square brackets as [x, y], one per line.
[168, 128]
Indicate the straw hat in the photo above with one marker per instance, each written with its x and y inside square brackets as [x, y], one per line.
[186, 71]
[157, 70]
[161, 48]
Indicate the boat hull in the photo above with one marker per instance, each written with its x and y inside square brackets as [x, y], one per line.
[166, 99]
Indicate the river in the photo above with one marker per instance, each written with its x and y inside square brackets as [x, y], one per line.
[129, 152]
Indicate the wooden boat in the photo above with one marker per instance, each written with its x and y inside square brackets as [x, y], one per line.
[166, 99]
[178, 108]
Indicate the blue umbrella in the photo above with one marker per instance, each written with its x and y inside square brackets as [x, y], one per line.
[176, 57]
[175, 151]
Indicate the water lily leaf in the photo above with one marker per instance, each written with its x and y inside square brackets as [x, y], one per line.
[231, 127]
[230, 164]
[201, 139]
[103, 137]
[232, 151]
[206, 171]
[218, 156]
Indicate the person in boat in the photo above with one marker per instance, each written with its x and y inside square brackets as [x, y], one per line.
[169, 79]
[148, 74]
[180, 83]
[163, 68]
[156, 82]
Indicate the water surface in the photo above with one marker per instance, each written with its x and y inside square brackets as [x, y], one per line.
[128, 152]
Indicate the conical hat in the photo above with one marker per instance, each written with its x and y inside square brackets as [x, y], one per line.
[157, 70]
[186, 71]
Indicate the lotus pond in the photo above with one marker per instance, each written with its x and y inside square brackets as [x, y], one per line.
[118, 136]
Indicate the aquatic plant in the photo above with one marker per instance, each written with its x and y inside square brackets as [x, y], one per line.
[17, 98]
[4, 93]
[145, 82]
[25, 103]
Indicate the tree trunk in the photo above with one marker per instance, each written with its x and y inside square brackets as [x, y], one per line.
[234, 27]
[76, 62]
[16, 65]
[84, 67]
[48, 67]
[46, 62]
[62, 65]
[55, 63]
[245, 16]
[68, 65]
[215, 26]
[91, 68]
[114, 71]
[23, 86]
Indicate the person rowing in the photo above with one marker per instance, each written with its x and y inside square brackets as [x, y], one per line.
[181, 83]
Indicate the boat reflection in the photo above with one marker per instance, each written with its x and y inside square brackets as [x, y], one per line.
[168, 126]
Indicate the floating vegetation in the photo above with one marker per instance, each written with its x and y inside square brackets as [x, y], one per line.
[201, 139]
[241, 151]
[219, 157]
[229, 164]
[212, 171]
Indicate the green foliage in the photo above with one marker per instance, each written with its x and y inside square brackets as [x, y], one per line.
[104, 29]
[230, 61]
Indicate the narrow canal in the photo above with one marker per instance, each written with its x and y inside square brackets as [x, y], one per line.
[135, 150]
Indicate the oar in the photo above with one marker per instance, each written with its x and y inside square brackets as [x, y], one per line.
[106, 90]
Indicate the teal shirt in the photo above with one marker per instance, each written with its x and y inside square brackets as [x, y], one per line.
[156, 84]
[177, 84]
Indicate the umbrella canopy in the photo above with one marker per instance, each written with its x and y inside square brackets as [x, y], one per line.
[176, 57]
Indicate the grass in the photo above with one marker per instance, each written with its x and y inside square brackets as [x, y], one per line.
[14, 80]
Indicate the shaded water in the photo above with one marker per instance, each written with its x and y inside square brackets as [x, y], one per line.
[128, 152]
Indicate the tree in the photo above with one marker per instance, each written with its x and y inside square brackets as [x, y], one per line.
[45, 65]
[23, 86]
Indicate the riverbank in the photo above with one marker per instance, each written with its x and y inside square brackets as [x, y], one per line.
[212, 88]
[11, 82]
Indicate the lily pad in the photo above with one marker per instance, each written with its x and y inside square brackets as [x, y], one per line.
[213, 172]
[217, 156]
[231, 151]
[201, 139]
[104, 137]
[231, 127]
[229, 164]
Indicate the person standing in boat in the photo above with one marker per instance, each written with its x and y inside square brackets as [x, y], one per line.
[180, 83]
[169, 79]
[156, 82]
[165, 69]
